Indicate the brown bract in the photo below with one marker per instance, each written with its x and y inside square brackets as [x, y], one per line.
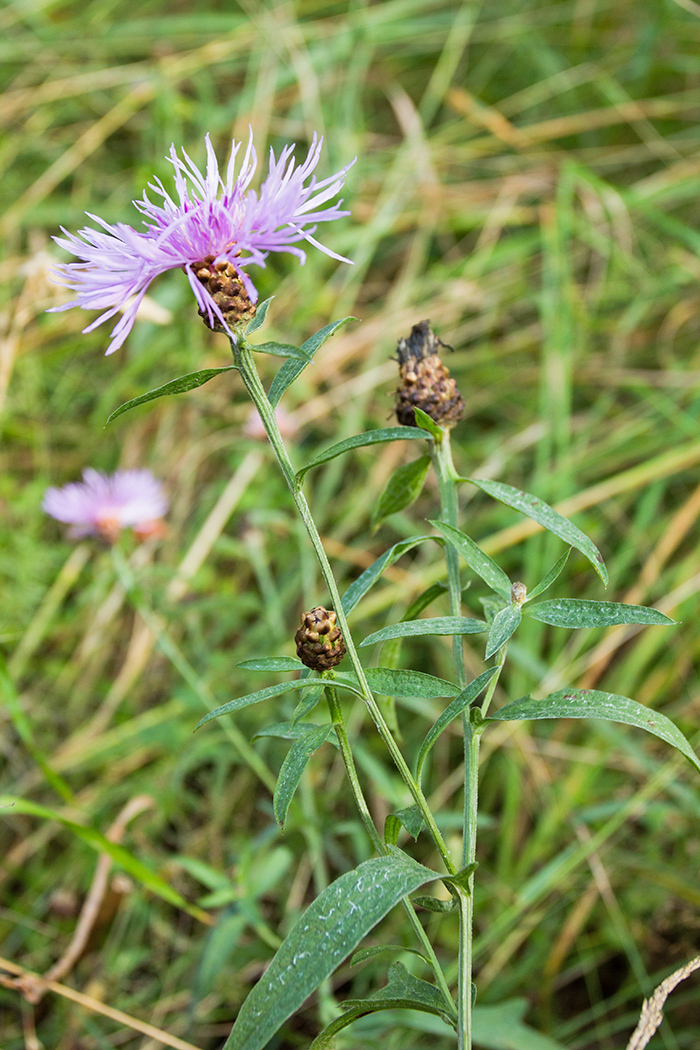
[226, 289]
[426, 382]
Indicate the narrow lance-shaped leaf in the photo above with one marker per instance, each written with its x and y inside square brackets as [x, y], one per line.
[327, 932]
[590, 703]
[176, 386]
[294, 353]
[547, 517]
[293, 767]
[260, 314]
[357, 590]
[272, 663]
[570, 612]
[293, 368]
[504, 624]
[408, 683]
[550, 577]
[475, 558]
[371, 437]
[403, 487]
[459, 704]
[438, 625]
[255, 698]
[427, 423]
[402, 992]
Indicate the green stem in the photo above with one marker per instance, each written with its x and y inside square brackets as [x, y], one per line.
[243, 359]
[449, 513]
[336, 713]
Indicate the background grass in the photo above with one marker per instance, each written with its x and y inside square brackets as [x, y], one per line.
[528, 178]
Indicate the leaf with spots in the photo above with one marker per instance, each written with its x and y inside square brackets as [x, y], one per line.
[320, 940]
[590, 703]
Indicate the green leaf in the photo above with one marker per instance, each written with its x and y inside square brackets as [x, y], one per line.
[436, 905]
[320, 940]
[570, 612]
[427, 423]
[551, 576]
[547, 517]
[272, 663]
[410, 818]
[402, 992]
[590, 703]
[307, 703]
[260, 314]
[465, 698]
[475, 558]
[370, 437]
[176, 386]
[438, 625]
[408, 683]
[291, 772]
[293, 368]
[403, 487]
[357, 590]
[461, 881]
[364, 954]
[291, 731]
[505, 623]
[101, 844]
[255, 698]
[279, 350]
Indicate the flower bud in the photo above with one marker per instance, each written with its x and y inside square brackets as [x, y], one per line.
[426, 382]
[319, 641]
[518, 593]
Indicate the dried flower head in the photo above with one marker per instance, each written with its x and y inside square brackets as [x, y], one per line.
[319, 640]
[103, 505]
[212, 227]
[426, 382]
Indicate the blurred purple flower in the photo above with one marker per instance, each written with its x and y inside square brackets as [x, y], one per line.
[103, 504]
[214, 224]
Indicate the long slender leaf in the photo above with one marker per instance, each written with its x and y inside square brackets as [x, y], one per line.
[320, 940]
[458, 705]
[590, 703]
[260, 314]
[547, 517]
[504, 624]
[255, 698]
[402, 992]
[408, 683]
[293, 767]
[371, 437]
[293, 368]
[272, 663]
[438, 625]
[402, 489]
[550, 577]
[475, 558]
[572, 612]
[357, 590]
[294, 353]
[176, 386]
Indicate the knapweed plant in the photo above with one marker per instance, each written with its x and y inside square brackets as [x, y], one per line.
[215, 227]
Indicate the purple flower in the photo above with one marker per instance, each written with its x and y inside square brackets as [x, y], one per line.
[213, 229]
[103, 504]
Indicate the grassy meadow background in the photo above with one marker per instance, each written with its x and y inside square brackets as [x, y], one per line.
[528, 178]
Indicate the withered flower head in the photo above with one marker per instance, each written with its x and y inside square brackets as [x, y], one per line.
[426, 382]
[319, 641]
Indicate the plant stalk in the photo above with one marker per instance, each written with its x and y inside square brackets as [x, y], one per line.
[243, 358]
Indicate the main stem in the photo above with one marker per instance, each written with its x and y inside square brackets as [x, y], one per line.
[449, 512]
[243, 359]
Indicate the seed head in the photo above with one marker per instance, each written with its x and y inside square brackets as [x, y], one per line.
[319, 641]
[426, 382]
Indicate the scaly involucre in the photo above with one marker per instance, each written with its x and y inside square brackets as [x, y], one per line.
[103, 504]
[211, 218]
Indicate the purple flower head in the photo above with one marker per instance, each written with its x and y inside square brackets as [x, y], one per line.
[103, 504]
[212, 227]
